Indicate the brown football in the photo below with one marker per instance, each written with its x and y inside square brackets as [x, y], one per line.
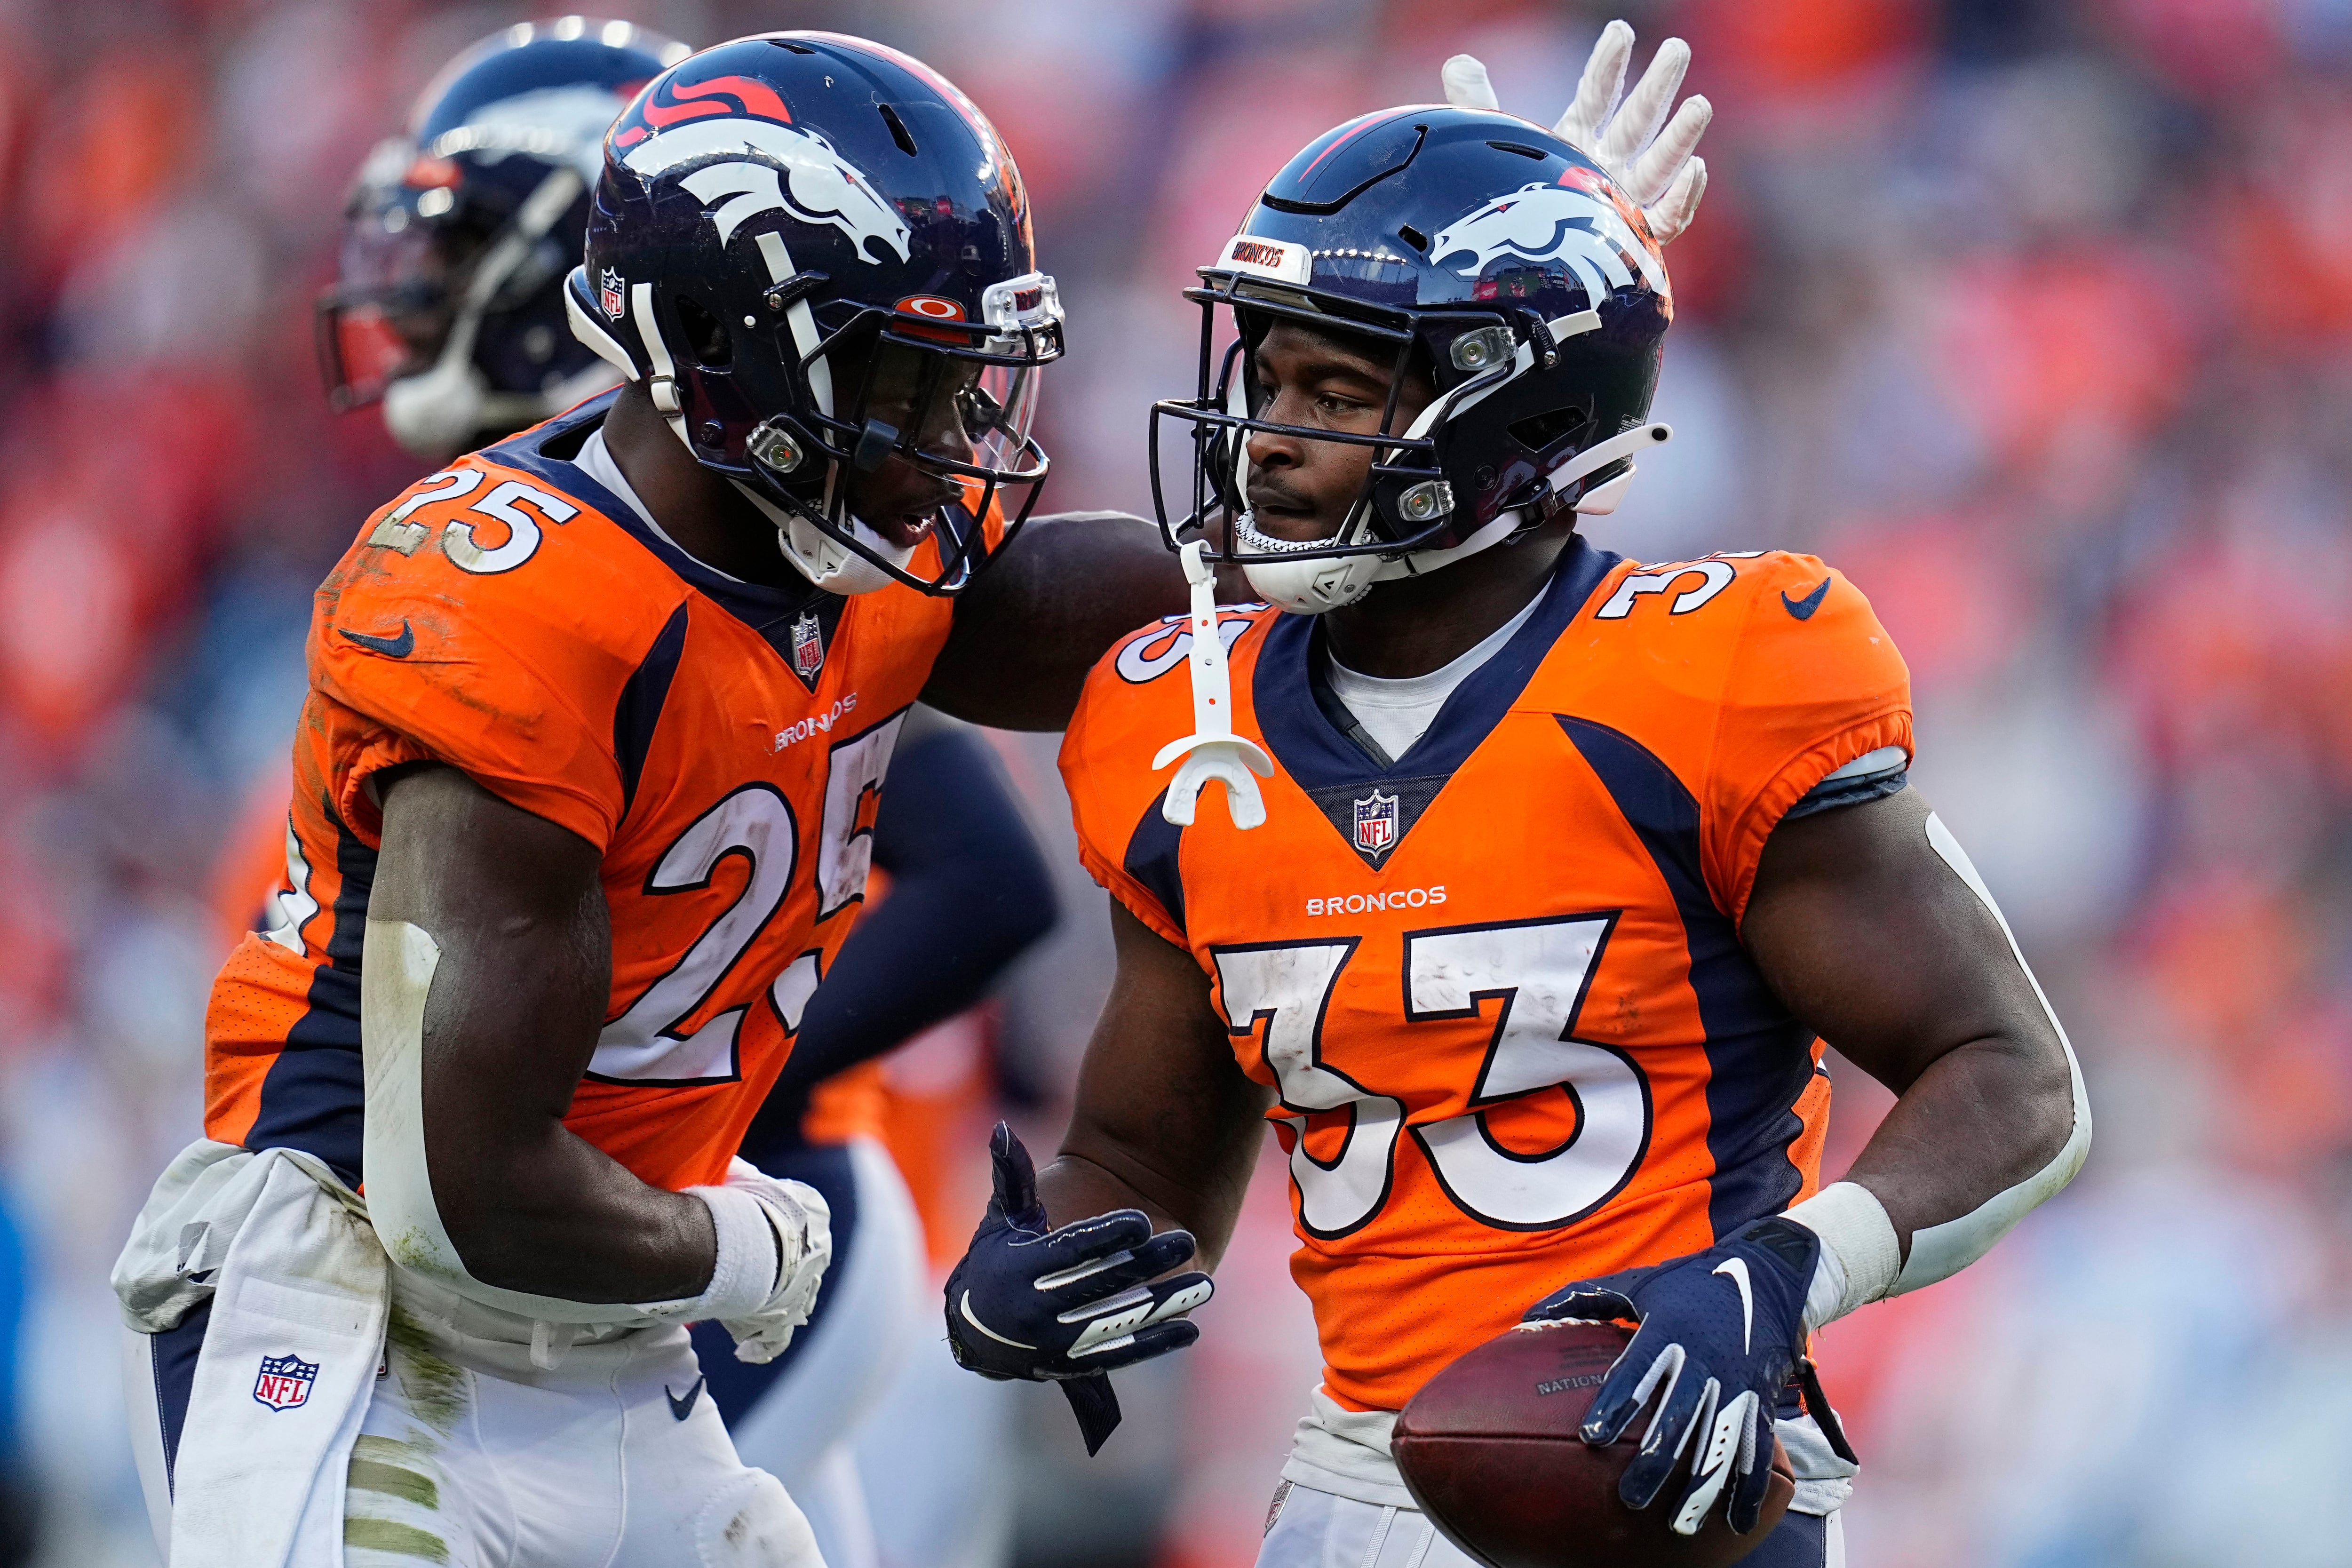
[1490, 1449]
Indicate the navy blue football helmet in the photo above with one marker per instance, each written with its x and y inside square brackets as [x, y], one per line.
[1484, 252]
[815, 253]
[449, 302]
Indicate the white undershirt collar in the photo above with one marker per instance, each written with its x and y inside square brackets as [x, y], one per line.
[1398, 711]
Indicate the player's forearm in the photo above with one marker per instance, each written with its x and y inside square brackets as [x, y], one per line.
[1078, 1186]
[1982, 1118]
[1027, 633]
[556, 1217]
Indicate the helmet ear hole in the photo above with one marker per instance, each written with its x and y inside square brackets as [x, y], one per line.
[706, 338]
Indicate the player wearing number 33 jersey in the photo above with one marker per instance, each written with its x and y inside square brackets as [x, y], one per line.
[722, 743]
[1529, 881]
[1496, 986]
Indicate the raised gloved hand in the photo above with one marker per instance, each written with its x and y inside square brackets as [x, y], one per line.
[1655, 167]
[802, 1223]
[1721, 1330]
[1066, 1306]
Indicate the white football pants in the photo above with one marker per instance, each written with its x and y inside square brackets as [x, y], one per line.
[1310, 1529]
[471, 1457]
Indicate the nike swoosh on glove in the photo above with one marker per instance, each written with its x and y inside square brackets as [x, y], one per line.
[1721, 1332]
[1646, 153]
[1066, 1306]
[803, 1222]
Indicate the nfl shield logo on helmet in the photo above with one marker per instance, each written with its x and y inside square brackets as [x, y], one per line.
[808, 645]
[1376, 823]
[609, 293]
[285, 1381]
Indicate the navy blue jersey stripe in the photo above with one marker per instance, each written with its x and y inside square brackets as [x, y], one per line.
[640, 707]
[315, 1094]
[1151, 858]
[171, 1359]
[1759, 1058]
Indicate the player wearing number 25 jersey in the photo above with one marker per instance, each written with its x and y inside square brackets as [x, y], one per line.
[721, 743]
[1495, 985]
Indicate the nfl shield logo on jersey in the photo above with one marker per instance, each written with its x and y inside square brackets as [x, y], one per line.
[808, 645]
[1376, 823]
[285, 1381]
[609, 293]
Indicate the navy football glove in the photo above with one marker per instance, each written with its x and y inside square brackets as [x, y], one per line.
[1069, 1305]
[1721, 1332]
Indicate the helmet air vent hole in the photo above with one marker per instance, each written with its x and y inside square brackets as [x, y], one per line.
[1540, 432]
[899, 131]
[1523, 151]
[706, 338]
[1412, 237]
[788, 44]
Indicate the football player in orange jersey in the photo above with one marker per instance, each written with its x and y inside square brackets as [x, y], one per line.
[1540, 878]
[448, 314]
[584, 793]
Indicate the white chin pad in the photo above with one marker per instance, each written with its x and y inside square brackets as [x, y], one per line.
[1313, 586]
[434, 415]
[823, 560]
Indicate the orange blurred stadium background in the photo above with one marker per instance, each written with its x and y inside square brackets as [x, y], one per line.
[2031, 315]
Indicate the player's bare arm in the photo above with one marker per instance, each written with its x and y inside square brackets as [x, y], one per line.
[1876, 943]
[1164, 1119]
[1025, 635]
[515, 906]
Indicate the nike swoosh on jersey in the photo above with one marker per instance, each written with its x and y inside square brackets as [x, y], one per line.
[681, 1408]
[1736, 1267]
[400, 647]
[1803, 608]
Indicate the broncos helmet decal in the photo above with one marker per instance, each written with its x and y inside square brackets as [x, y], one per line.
[1542, 222]
[817, 185]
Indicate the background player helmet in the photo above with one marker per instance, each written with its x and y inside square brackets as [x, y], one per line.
[1493, 256]
[448, 303]
[783, 221]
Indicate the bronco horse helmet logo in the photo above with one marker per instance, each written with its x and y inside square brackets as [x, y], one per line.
[1569, 223]
[775, 166]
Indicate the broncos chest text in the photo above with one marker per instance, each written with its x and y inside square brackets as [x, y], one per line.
[1484, 1001]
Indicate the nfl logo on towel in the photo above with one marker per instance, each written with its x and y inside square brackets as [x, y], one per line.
[808, 645]
[1376, 823]
[285, 1381]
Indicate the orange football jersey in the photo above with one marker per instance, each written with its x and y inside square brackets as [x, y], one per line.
[1497, 985]
[722, 743]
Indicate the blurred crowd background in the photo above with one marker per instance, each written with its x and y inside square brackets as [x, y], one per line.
[2031, 315]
